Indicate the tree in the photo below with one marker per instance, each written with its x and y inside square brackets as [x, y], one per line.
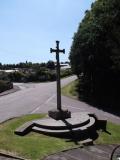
[0, 65]
[50, 65]
[95, 52]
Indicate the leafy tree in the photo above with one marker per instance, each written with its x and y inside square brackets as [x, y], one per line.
[95, 52]
[0, 65]
[50, 65]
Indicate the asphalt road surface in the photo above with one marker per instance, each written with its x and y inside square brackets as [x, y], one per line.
[31, 98]
[40, 98]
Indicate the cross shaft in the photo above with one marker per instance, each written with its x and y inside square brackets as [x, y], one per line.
[57, 51]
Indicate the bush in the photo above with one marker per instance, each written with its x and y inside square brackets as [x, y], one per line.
[35, 75]
[5, 85]
[17, 76]
[65, 73]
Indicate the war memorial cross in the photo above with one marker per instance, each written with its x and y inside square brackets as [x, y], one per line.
[57, 51]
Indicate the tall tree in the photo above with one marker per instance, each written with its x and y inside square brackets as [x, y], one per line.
[95, 51]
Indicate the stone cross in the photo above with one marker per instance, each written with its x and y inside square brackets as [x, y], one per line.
[57, 51]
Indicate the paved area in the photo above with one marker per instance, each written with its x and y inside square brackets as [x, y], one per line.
[4, 158]
[76, 106]
[97, 152]
[14, 89]
[30, 99]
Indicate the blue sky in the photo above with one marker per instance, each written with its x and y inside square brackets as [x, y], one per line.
[28, 28]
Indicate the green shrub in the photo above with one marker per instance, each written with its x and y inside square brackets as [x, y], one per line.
[65, 73]
[17, 76]
[5, 85]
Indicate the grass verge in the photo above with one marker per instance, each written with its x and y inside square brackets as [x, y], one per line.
[112, 136]
[36, 146]
[70, 90]
[31, 146]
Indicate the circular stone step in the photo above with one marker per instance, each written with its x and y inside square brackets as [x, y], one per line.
[76, 120]
[79, 123]
[81, 130]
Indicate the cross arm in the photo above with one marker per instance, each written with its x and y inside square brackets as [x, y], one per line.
[62, 51]
[52, 50]
[59, 51]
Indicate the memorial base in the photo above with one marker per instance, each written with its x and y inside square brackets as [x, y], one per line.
[59, 114]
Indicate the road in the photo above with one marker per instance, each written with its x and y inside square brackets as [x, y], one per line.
[31, 98]
[40, 98]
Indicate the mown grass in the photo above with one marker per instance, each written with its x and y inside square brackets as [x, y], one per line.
[32, 146]
[112, 136]
[70, 90]
[36, 146]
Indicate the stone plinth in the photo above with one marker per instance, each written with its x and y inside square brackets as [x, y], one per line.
[59, 114]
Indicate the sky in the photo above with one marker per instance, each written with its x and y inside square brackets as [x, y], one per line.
[29, 28]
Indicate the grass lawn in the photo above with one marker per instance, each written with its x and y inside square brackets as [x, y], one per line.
[70, 90]
[112, 137]
[32, 146]
[36, 146]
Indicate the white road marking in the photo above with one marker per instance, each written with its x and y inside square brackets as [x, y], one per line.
[49, 99]
[36, 109]
[46, 102]
[71, 107]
